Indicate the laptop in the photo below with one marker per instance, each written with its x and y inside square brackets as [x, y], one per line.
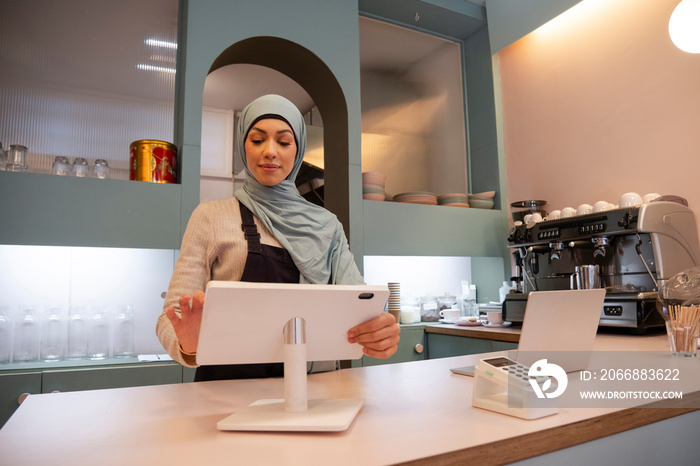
[560, 326]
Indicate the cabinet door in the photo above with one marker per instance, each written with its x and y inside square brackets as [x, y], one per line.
[110, 377]
[445, 346]
[14, 385]
[188, 374]
[504, 346]
[411, 348]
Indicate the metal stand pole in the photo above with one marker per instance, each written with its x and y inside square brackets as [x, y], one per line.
[295, 391]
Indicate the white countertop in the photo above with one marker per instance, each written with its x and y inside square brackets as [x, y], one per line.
[412, 411]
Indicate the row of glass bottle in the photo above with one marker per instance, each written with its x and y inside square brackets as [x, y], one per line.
[58, 335]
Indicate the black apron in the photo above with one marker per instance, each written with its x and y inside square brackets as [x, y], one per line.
[264, 264]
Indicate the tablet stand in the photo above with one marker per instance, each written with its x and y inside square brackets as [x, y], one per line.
[294, 413]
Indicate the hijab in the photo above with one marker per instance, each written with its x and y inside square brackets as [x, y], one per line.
[313, 236]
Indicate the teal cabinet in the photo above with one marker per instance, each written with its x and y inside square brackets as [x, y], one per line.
[416, 344]
[188, 374]
[12, 386]
[445, 346]
[504, 345]
[412, 347]
[95, 378]
[81, 375]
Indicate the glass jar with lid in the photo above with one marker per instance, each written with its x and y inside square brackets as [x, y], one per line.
[17, 159]
[101, 169]
[429, 311]
[80, 167]
[447, 301]
[61, 166]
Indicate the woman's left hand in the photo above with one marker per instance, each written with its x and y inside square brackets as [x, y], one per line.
[379, 336]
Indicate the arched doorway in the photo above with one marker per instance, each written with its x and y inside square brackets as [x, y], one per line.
[310, 72]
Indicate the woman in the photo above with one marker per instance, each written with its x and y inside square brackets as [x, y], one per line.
[266, 233]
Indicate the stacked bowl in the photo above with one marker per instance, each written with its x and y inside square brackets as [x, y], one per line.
[482, 200]
[417, 197]
[373, 186]
[453, 199]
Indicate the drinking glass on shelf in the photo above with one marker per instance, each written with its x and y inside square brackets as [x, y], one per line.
[17, 159]
[77, 334]
[61, 166]
[80, 167]
[53, 335]
[27, 336]
[101, 169]
[98, 334]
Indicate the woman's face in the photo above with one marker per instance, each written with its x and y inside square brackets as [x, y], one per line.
[270, 150]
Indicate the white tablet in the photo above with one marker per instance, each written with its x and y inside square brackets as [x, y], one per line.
[243, 322]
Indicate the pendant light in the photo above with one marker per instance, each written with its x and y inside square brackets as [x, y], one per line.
[684, 26]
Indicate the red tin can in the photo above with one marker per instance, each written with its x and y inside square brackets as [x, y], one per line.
[154, 161]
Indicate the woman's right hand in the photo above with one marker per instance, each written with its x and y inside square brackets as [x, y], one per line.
[186, 325]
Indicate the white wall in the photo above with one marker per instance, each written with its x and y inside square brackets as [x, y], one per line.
[599, 102]
[419, 275]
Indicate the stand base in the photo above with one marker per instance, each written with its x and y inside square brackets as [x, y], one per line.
[333, 415]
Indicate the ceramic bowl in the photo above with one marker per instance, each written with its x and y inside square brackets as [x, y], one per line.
[456, 204]
[373, 177]
[485, 194]
[453, 195]
[374, 197]
[453, 198]
[481, 203]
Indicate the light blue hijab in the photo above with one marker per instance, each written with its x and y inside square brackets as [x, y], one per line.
[313, 236]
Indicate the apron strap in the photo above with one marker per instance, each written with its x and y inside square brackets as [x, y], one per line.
[250, 230]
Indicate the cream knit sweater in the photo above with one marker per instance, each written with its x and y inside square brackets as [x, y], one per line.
[213, 248]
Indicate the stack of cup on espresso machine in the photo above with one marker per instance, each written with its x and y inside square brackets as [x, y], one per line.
[395, 300]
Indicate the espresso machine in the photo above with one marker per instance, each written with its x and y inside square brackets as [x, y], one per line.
[635, 249]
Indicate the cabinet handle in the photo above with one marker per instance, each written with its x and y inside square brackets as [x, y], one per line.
[22, 397]
[419, 348]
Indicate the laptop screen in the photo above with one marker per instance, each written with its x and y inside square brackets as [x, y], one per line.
[561, 322]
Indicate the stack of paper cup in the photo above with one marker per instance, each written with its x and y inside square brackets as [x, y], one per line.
[395, 300]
